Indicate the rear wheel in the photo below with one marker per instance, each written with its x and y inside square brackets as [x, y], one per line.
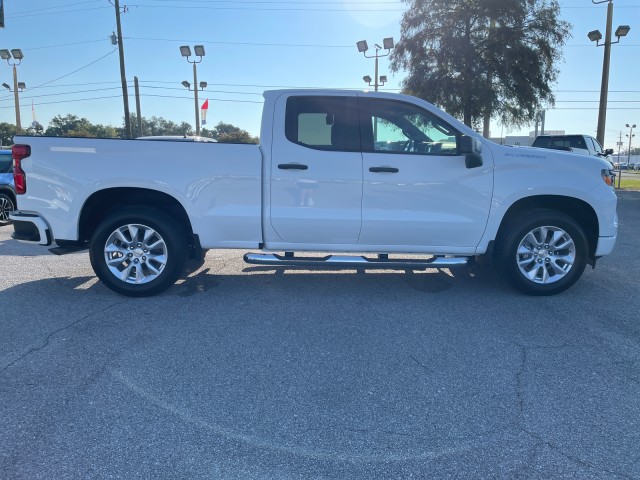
[543, 252]
[138, 252]
[7, 205]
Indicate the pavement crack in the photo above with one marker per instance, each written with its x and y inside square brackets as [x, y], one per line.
[420, 364]
[579, 461]
[44, 343]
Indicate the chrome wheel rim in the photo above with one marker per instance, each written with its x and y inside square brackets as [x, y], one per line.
[546, 255]
[135, 254]
[5, 209]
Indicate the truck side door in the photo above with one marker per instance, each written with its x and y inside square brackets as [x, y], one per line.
[417, 190]
[316, 171]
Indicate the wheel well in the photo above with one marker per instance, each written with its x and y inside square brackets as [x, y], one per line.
[577, 209]
[10, 193]
[104, 202]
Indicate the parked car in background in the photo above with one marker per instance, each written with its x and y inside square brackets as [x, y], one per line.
[7, 188]
[582, 144]
[179, 138]
[621, 166]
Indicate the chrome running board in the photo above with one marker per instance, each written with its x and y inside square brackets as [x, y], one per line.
[382, 261]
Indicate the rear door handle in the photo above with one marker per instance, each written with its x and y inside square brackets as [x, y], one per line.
[292, 166]
[384, 169]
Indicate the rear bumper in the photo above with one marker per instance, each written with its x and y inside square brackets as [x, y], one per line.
[30, 228]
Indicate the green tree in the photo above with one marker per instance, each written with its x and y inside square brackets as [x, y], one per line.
[482, 57]
[68, 126]
[228, 133]
[7, 132]
[35, 129]
[158, 126]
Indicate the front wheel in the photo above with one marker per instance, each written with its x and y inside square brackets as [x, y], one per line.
[138, 252]
[543, 252]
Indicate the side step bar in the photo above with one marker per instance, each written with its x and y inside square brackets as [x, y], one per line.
[382, 261]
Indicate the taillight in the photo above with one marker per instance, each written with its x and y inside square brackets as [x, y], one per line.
[20, 152]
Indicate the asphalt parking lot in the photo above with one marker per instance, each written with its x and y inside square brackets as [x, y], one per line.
[244, 372]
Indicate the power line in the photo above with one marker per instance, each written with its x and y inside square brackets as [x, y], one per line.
[306, 45]
[64, 5]
[147, 95]
[25, 15]
[75, 71]
[64, 44]
[275, 9]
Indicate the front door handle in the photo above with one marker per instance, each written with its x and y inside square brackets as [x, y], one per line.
[292, 166]
[384, 169]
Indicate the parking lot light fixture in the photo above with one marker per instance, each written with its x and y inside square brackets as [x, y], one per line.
[185, 51]
[5, 54]
[622, 31]
[363, 47]
[595, 35]
[199, 50]
[203, 85]
[17, 54]
[186, 84]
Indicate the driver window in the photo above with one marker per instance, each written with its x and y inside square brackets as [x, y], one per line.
[399, 127]
[597, 146]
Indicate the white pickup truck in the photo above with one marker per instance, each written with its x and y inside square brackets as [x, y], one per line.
[387, 180]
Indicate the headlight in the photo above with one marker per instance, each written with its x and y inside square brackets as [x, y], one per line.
[608, 176]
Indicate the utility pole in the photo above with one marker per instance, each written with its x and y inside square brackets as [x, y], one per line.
[138, 114]
[123, 75]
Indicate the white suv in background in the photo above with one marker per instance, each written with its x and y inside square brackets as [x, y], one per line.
[582, 144]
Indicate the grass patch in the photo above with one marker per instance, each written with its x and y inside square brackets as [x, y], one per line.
[629, 183]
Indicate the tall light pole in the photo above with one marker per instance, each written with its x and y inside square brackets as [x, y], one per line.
[363, 47]
[596, 36]
[17, 55]
[631, 135]
[185, 51]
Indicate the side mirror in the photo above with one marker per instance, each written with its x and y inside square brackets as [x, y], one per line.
[473, 149]
[608, 151]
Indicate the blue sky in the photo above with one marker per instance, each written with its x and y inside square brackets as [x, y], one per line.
[70, 66]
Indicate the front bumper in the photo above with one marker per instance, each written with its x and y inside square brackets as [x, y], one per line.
[605, 246]
[30, 228]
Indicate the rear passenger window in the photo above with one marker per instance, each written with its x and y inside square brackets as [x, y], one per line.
[6, 163]
[324, 123]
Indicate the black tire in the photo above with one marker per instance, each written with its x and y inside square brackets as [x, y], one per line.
[138, 252]
[542, 252]
[7, 205]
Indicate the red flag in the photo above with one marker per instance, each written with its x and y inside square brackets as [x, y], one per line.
[203, 111]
